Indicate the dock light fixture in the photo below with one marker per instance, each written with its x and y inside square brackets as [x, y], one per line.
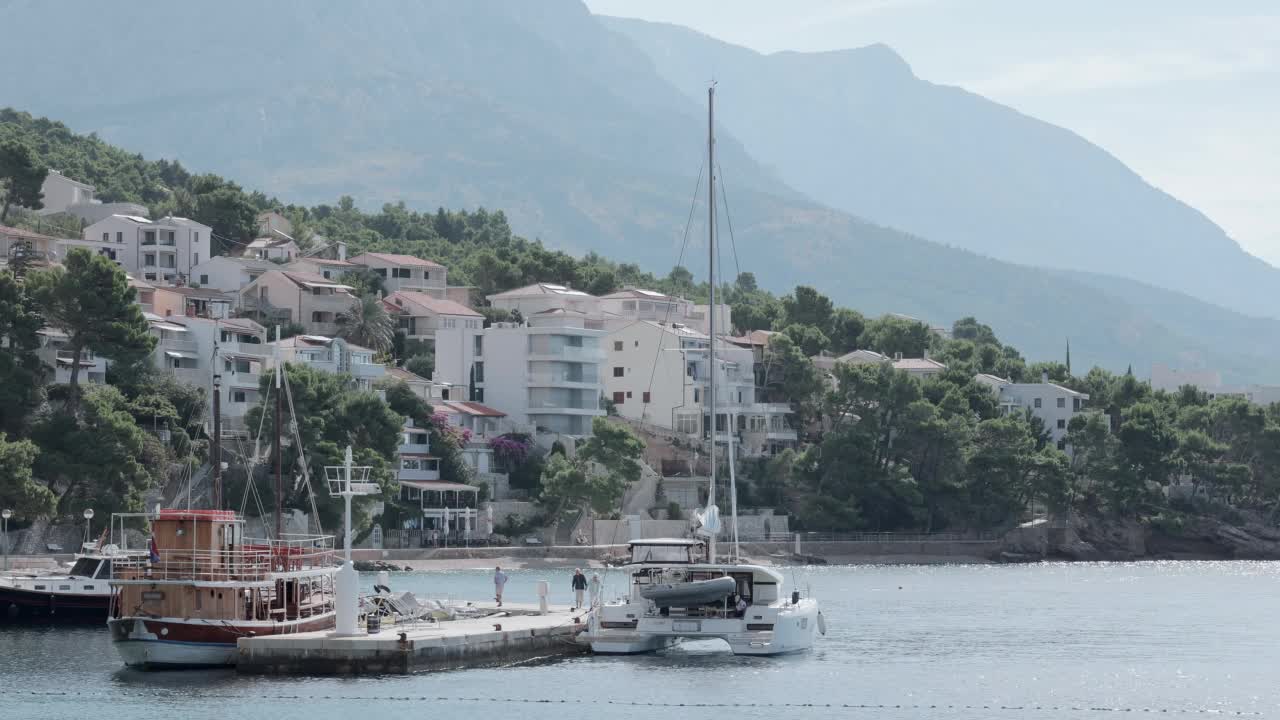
[88, 524]
[4, 528]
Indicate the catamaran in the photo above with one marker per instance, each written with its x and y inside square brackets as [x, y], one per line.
[678, 588]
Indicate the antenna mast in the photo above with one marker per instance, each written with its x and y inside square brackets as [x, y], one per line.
[711, 269]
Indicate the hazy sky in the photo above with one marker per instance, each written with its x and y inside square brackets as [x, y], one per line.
[1186, 93]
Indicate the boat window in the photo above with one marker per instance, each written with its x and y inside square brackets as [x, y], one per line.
[39, 587]
[88, 587]
[105, 571]
[84, 567]
[148, 595]
[64, 587]
[660, 554]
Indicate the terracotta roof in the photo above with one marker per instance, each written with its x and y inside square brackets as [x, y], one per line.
[14, 232]
[469, 408]
[207, 293]
[396, 259]
[541, 289]
[405, 375]
[427, 302]
[755, 337]
[308, 278]
[918, 364]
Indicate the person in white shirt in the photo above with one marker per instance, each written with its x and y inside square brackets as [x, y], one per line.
[499, 582]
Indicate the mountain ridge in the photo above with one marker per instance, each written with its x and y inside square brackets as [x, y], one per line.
[859, 131]
[487, 108]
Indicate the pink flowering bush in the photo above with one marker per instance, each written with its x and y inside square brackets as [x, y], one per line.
[511, 449]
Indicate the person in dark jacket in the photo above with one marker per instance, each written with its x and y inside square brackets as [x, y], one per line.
[579, 587]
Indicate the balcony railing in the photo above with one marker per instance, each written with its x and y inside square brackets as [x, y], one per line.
[251, 561]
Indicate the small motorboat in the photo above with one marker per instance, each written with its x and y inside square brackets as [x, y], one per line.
[688, 594]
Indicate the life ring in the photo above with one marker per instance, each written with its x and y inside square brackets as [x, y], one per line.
[822, 623]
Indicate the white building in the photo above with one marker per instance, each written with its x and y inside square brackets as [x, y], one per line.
[406, 272]
[41, 249]
[162, 251]
[327, 268]
[186, 302]
[196, 349]
[921, 368]
[545, 374]
[57, 358]
[630, 304]
[285, 296]
[856, 357]
[61, 192]
[483, 423]
[229, 274]
[539, 297]
[454, 331]
[280, 249]
[331, 355]
[1053, 404]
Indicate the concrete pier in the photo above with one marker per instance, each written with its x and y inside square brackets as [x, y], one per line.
[518, 633]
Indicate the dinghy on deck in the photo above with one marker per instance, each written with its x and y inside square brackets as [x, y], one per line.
[687, 594]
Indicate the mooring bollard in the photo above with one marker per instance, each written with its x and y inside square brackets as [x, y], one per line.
[544, 588]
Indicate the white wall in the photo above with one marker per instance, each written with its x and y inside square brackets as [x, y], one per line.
[61, 192]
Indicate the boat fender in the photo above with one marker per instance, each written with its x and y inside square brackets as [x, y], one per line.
[382, 589]
[822, 623]
[795, 597]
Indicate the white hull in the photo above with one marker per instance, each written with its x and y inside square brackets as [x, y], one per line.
[792, 630]
[160, 654]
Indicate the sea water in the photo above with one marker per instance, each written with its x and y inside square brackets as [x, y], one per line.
[1052, 641]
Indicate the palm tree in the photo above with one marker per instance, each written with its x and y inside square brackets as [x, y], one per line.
[367, 323]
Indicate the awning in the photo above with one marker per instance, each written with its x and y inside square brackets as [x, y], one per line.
[439, 486]
[173, 327]
[83, 363]
[181, 354]
[320, 285]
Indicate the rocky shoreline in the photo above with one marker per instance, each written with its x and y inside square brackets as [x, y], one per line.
[1121, 539]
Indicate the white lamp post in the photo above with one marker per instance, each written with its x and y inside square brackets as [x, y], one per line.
[348, 481]
[88, 524]
[4, 528]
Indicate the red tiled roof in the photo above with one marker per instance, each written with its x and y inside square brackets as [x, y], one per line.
[434, 304]
[471, 408]
[396, 259]
[14, 232]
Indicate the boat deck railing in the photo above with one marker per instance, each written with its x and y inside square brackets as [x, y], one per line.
[253, 560]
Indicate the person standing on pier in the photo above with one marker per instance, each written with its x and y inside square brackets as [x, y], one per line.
[595, 589]
[499, 581]
[579, 587]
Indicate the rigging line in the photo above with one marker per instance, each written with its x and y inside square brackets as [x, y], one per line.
[302, 458]
[684, 245]
[733, 243]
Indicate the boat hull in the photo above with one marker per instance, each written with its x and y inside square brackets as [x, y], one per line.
[790, 629]
[20, 605]
[172, 643]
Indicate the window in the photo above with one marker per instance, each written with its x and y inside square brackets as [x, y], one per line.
[1062, 444]
[1062, 424]
[478, 346]
[644, 397]
[149, 260]
[195, 259]
[617, 344]
[149, 237]
[166, 261]
[628, 394]
[381, 272]
[149, 276]
[237, 396]
[204, 279]
[1062, 402]
[619, 371]
[106, 237]
[697, 395]
[619, 398]
[317, 316]
[168, 238]
[119, 238]
[1075, 404]
[687, 424]
[1037, 402]
[326, 275]
[426, 275]
[195, 239]
[401, 273]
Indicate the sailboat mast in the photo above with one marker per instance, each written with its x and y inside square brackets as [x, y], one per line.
[711, 269]
[279, 476]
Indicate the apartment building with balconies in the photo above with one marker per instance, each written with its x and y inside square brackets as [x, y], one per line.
[162, 251]
[285, 296]
[331, 355]
[539, 297]
[1054, 404]
[630, 304]
[196, 349]
[545, 373]
[453, 331]
[59, 360]
[229, 274]
[406, 272]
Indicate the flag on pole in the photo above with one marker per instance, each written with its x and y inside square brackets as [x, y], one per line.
[155, 552]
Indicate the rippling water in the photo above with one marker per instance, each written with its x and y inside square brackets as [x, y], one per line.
[1076, 641]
